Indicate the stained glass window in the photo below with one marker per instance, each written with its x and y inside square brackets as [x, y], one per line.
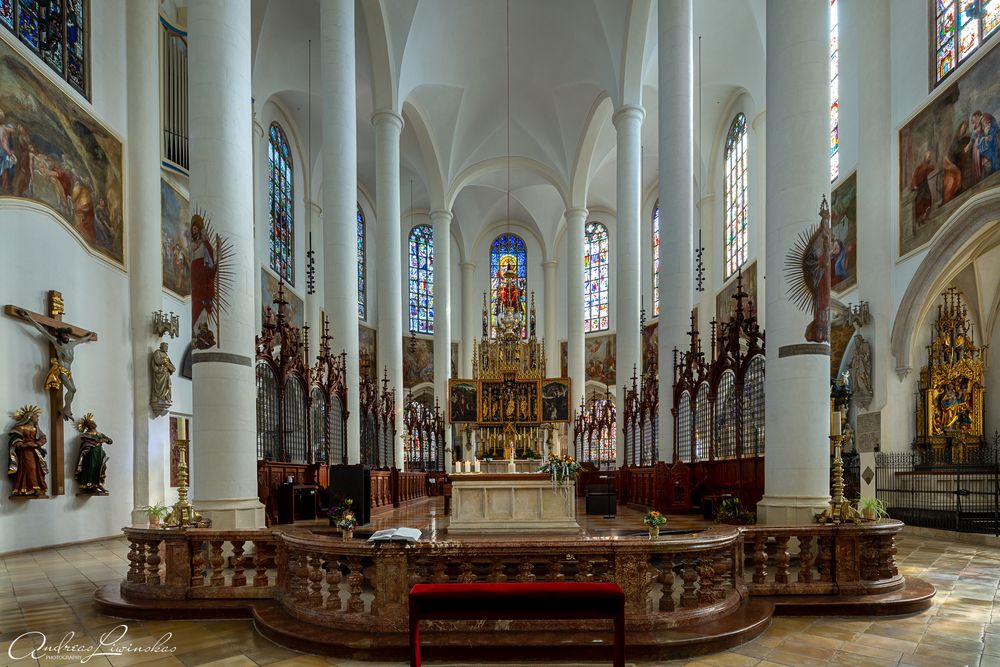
[834, 92]
[595, 278]
[736, 195]
[656, 259]
[508, 250]
[362, 296]
[279, 191]
[55, 31]
[421, 254]
[959, 27]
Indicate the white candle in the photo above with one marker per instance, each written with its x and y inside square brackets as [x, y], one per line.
[477, 465]
[182, 428]
[835, 423]
[467, 466]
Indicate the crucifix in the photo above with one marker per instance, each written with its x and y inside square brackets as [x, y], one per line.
[63, 338]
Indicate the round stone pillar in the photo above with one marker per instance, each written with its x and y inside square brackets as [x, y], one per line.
[388, 125]
[150, 436]
[576, 220]
[340, 188]
[797, 385]
[551, 337]
[224, 449]
[470, 317]
[676, 164]
[628, 123]
[441, 226]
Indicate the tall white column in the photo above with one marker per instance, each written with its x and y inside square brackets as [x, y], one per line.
[340, 187]
[797, 388]
[551, 337]
[470, 317]
[676, 158]
[441, 225]
[149, 436]
[388, 125]
[628, 123]
[576, 220]
[225, 431]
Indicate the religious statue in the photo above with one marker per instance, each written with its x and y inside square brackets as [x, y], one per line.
[860, 368]
[807, 270]
[211, 281]
[60, 373]
[26, 447]
[92, 464]
[160, 398]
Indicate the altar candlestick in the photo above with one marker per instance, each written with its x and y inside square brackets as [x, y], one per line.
[835, 422]
[181, 428]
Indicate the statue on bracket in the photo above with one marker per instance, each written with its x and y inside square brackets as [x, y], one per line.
[26, 450]
[860, 368]
[92, 464]
[160, 398]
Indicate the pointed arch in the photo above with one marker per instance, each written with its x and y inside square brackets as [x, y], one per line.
[280, 188]
[735, 204]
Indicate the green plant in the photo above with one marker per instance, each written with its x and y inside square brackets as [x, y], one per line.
[872, 506]
[159, 511]
[654, 518]
[731, 511]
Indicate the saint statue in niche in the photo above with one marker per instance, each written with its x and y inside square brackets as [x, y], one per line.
[160, 398]
[92, 464]
[26, 450]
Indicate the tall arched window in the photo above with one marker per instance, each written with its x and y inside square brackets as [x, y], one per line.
[279, 189]
[834, 92]
[656, 258]
[959, 27]
[421, 255]
[735, 191]
[595, 278]
[56, 31]
[508, 250]
[362, 296]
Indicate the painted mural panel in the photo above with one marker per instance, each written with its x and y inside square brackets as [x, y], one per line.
[418, 364]
[844, 223]
[175, 240]
[599, 358]
[269, 292]
[368, 350]
[949, 151]
[650, 347]
[54, 153]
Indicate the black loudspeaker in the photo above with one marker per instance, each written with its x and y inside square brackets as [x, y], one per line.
[354, 482]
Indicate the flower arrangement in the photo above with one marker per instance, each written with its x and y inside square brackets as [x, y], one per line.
[339, 506]
[654, 518]
[562, 468]
[347, 520]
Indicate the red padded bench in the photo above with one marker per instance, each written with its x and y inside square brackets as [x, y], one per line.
[471, 602]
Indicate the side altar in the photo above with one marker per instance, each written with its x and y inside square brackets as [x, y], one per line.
[511, 503]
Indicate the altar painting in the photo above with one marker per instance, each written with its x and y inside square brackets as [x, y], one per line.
[463, 401]
[949, 151]
[54, 153]
[844, 225]
[175, 240]
[509, 402]
[555, 400]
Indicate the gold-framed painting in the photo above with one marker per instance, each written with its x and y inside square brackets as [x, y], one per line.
[556, 400]
[175, 240]
[463, 401]
[53, 152]
[844, 226]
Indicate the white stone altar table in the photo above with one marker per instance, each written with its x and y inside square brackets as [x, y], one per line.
[511, 503]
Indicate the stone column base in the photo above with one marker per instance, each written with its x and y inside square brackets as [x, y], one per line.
[790, 510]
[232, 513]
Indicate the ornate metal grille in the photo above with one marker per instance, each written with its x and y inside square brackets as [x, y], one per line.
[753, 407]
[268, 408]
[702, 422]
[295, 421]
[684, 427]
[318, 426]
[724, 409]
[338, 431]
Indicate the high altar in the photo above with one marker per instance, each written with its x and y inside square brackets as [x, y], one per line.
[950, 404]
[508, 406]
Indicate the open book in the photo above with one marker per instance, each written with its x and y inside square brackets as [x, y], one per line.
[395, 535]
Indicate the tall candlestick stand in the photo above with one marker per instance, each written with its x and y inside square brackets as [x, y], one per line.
[183, 513]
[840, 510]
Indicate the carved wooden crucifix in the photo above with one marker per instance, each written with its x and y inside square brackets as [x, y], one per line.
[63, 338]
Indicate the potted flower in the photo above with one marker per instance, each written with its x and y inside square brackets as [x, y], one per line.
[346, 524]
[653, 521]
[562, 468]
[338, 507]
[156, 513]
[872, 509]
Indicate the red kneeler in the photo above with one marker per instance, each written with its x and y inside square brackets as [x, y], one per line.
[471, 602]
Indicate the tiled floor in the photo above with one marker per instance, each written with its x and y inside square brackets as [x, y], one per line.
[49, 592]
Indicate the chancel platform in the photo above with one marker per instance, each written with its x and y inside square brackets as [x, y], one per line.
[511, 503]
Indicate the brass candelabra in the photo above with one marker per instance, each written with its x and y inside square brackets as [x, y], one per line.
[840, 509]
[183, 513]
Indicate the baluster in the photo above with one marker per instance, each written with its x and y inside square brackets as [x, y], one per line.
[760, 558]
[869, 558]
[300, 574]
[333, 579]
[825, 564]
[153, 563]
[440, 576]
[239, 578]
[355, 604]
[135, 570]
[526, 571]
[666, 579]
[216, 559]
[260, 556]
[140, 562]
[887, 557]
[197, 563]
[689, 574]
[467, 576]
[498, 576]
[781, 559]
[706, 576]
[315, 581]
[721, 563]
[805, 559]
[555, 569]
[584, 571]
